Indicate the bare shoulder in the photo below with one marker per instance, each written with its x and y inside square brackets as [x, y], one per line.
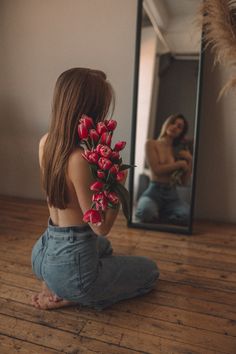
[41, 147]
[152, 145]
[42, 140]
[76, 159]
[77, 166]
[150, 142]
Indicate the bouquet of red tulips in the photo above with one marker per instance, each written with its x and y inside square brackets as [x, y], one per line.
[106, 166]
[186, 145]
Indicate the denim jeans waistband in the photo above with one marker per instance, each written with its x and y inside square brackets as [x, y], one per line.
[163, 185]
[68, 232]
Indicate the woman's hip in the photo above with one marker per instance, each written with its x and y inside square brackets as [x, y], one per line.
[66, 261]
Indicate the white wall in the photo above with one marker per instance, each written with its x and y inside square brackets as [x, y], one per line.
[40, 39]
[145, 88]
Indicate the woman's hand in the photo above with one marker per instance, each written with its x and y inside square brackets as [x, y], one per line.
[185, 154]
[183, 165]
[125, 177]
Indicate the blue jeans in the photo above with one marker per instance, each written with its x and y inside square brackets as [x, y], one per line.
[160, 202]
[77, 265]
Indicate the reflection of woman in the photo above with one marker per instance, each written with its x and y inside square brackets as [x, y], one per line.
[73, 258]
[160, 201]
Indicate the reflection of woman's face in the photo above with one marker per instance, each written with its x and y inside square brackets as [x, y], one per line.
[174, 129]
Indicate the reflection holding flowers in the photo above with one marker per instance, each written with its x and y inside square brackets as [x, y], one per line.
[170, 161]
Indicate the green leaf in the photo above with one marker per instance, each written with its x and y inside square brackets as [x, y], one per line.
[125, 167]
[113, 206]
[124, 198]
[94, 168]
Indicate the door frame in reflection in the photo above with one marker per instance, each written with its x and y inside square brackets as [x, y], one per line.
[162, 227]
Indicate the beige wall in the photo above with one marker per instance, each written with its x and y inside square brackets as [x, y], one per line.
[41, 38]
[216, 176]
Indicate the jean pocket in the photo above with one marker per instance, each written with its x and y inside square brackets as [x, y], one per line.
[62, 274]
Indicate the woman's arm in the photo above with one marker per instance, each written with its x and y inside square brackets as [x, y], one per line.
[186, 155]
[81, 177]
[154, 162]
[187, 174]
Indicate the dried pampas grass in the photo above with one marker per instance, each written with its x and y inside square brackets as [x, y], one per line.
[218, 18]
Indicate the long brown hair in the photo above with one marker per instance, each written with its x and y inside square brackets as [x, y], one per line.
[77, 91]
[170, 120]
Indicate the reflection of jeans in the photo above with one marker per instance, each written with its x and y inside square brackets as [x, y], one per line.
[78, 265]
[160, 201]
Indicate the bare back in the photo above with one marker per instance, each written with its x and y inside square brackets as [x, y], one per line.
[79, 179]
[73, 214]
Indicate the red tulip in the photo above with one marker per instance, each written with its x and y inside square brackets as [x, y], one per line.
[115, 155]
[113, 197]
[114, 169]
[119, 145]
[93, 157]
[120, 176]
[87, 121]
[100, 200]
[101, 174]
[101, 128]
[111, 124]
[93, 216]
[94, 135]
[105, 138]
[86, 155]
[96, 186]
[98, 148]
[82, 131]
[105, 151]
[104, 163]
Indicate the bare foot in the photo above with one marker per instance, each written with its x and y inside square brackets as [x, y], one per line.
[49, 293]
[46, 299]
[44, 302]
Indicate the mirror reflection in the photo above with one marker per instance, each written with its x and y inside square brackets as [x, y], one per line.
[166, 111]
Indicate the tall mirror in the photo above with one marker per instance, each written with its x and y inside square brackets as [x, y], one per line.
[165, 115]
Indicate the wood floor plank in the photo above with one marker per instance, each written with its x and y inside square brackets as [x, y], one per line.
[198, 281]
[195, 292]
[180, 268]
[169, 322]
[17, 253]
[192, 309]
[190, 242]
[157, 297]
[55, 339]
[204, 282]
[150, 343]
[163, 264]
[112, 333]
[187, 252]
[9, 345]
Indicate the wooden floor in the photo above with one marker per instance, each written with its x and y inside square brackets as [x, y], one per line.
[191, 311]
